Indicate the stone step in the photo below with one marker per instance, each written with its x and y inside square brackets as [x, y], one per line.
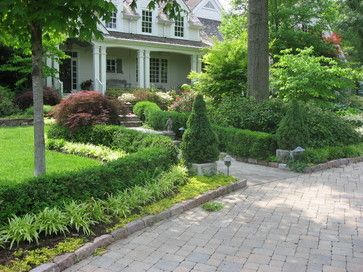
[131, 123]
[129, 117]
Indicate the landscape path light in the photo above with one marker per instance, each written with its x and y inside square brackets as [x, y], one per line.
[227, 162]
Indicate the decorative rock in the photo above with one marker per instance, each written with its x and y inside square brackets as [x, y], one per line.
[297, 153]
[47, 267]
[119, 233]
[204, 169]
[85, 251]
[64, 261]
[135, 226]
[282, 155]
[283, 166]
[103, 240]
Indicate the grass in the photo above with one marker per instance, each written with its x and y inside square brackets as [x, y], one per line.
[212, 206]
[16, 155]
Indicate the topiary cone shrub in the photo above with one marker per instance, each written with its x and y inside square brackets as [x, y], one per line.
[292, 130]
[85, 108]
[199, 144]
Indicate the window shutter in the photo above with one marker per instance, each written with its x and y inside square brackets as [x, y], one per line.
[119, 66]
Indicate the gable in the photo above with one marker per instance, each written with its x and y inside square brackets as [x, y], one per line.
[208, 9]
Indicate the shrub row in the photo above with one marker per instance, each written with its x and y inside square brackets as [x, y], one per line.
[80, 216]
[98, 182]
[114, 137]
[156, 118]
[87, 150]
[245, 143]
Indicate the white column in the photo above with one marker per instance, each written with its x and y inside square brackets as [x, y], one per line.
[48, 62]
[147, 69]
[193, 63]
[199, 63]
[96, 67]
[103, 69]
[140, 59]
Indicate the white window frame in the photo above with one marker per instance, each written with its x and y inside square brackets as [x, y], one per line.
[179, 27]
[211, 6]
[111, 65]
[158, 70]
[112, 24]
[147, 21]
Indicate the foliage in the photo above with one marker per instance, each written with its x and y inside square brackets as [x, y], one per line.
[225, 69]
[141, 107]
[50, 97]
[51, 221]
[306, 77]
[81, 216]
[88, 150]
[85, 108]
[199, 144]
[51, 190]
[309, 126]
[26, 259]
[183, 102]
[7, 106]
[87, 84]
[212, 206]
[233, 26]
[46, 110]
[17, 158]
[245, 143]
[247, 113]
[293, 129]
[114, 137]
[162, 99]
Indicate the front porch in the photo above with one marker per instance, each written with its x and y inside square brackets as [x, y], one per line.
[111, 66]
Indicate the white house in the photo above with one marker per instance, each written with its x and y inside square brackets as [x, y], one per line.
[141, 48]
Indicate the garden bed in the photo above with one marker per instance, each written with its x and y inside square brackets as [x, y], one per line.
[15, 122]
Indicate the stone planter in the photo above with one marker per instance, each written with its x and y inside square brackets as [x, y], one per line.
[204, 169]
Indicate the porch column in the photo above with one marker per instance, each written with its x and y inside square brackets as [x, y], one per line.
[147, 69]
[193, 63]
[48, 62]
[140, 64]
[96, 67]
[103, 69]
[199, 63]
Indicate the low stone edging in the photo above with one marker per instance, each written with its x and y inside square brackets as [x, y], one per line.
[332, 164]
[66, 260]
[7, 122]
[310, 169]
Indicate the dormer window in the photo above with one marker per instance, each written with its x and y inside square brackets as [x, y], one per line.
[146, 24]
[209, 5]
[112, 22]
[179, 26]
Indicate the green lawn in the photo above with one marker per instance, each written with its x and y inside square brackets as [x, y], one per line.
[16, 156]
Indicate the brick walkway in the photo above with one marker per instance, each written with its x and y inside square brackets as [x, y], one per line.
[303, 223]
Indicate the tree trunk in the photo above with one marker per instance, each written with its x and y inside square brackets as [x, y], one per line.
[258, 58]
[37, 82]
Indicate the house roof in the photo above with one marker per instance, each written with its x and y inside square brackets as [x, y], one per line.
[211, 28]
[192, 3]
[162, 40]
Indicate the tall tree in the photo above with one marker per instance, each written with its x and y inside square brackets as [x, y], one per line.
[258, 57]
[24, 23]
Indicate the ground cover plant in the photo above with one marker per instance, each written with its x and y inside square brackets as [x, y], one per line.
[102, 153]
[212, 206]
[172, 187]
[16, 154]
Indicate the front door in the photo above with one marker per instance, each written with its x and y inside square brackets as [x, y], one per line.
[68, 72]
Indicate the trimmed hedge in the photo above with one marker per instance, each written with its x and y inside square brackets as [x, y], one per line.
[115, 137]
[98, 182]
[141, 108]
[245, 143]
[157, 120]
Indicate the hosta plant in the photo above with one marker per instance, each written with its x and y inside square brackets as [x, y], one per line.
[52, 221]
[79, 217]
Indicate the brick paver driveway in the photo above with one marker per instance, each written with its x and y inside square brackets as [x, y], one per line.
[302, 223]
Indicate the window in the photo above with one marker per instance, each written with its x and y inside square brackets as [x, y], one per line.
[112, 22]
[179, 26]
[111, 66]
[74, 74]
[146, 25]
[158, 70]
[209, 5]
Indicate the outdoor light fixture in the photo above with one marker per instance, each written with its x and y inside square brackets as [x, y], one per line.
[227, 162]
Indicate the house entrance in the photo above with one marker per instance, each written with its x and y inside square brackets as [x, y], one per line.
[68, 72]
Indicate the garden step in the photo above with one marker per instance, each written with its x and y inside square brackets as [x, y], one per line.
[131, 123]
[129, 117]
